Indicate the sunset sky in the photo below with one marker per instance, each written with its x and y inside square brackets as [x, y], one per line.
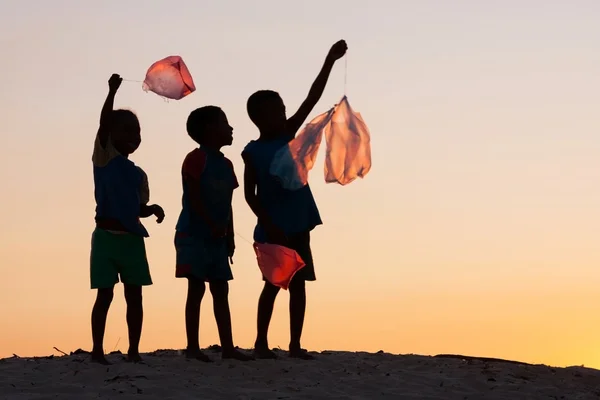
[477, 230]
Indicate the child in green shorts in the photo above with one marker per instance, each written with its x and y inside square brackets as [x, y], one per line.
[122, 196]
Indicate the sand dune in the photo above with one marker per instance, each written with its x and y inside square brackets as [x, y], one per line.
[166, 374]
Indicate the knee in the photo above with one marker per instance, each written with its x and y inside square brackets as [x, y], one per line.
[219, 289]
[133, 295]
[270, 290]
[196, 291]
[104, 297]
[297, 287]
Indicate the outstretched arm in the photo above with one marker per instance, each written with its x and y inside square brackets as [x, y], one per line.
[103, 131]
[295, 122]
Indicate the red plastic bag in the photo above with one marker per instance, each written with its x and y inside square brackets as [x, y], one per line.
[278, 264]
[169, 78]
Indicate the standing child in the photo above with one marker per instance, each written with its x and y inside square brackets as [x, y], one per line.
[118, 249]
[204, 239]
[284, 217]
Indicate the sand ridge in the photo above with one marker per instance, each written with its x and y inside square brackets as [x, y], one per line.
[167, 374]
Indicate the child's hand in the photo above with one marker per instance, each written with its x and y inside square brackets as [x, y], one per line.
[114, 82]
[230, 247]
[337, 51]
[158, 212]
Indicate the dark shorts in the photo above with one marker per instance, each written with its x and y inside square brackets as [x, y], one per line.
[202, 258]
[301, 243]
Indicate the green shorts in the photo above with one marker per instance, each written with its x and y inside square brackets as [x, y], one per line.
[118, 254]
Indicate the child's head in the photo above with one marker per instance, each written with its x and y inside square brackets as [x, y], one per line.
[208, 126]
[125, 131]
[267, 111]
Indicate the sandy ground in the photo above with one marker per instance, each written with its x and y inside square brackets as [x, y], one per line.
[166, 374]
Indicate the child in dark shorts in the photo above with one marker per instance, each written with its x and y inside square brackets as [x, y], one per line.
[204, 238]
[285, 217]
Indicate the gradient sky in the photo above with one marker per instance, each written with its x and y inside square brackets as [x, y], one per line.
[476, 231]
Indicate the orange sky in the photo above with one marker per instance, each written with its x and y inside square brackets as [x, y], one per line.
[476, 231]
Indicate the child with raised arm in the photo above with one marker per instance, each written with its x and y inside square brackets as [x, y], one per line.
[285, 217]
[118, 250]
[204, 238]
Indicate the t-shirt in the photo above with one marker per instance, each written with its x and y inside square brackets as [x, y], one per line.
[215, 176]
[120, 187]
[293, 211]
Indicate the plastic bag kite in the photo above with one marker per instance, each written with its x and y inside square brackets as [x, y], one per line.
[292, 163]
[278, 264]
[348, 153]
[169, 78]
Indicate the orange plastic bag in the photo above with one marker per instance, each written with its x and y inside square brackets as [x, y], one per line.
[278, 264]
[291, 164]
[348, 145]
[348, 149]
[169, 78]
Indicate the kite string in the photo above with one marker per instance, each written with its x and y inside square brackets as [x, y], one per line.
[165, 99]
[345, 74]
[245, 240]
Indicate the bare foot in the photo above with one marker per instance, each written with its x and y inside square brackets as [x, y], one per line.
[197, 354]
[235, 354]
[264, 353]
[301, 354]
[99, 358]
[134, 357]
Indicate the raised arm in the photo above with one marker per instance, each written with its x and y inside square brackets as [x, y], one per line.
[295, 122]
[103, 131]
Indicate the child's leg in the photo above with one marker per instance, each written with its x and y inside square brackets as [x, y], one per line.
[196, 289]
[99, 314]
[103, 276]
[266, 302]
[300, 243]
[135, 318]
[220, 293]
[297, 310]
